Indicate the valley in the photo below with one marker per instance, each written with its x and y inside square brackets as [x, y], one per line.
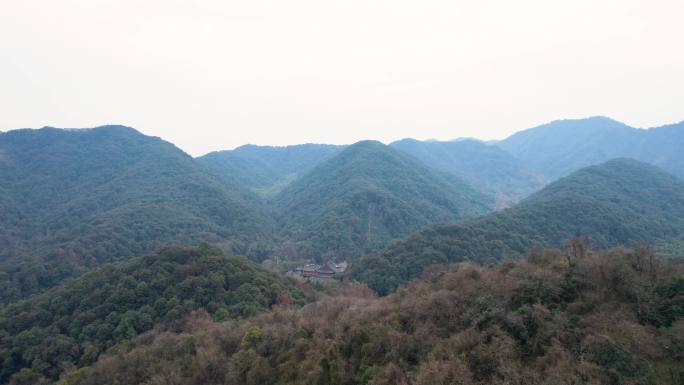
[125, 260]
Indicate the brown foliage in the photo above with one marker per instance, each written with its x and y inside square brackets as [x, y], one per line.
[574, 317]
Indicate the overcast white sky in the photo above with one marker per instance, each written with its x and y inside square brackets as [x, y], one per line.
[213, 74]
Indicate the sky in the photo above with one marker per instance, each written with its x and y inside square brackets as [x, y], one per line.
[210, 75]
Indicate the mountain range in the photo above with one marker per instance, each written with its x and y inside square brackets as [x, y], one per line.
[508, 169]
[79, 198]
[553, 256]
[561, 147]
[74, 199]
[620, 202]
[487, 168]
[265, 169]
[366, 196]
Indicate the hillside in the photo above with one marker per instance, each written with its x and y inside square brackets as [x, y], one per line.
[78, 198]
[72, 324]
[486, 167]
[561, 147]
[619, 202]
[266, 169]
[585, 319]
[364, 197]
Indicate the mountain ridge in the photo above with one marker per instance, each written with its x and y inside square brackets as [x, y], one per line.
[83, 197]
[268, 169]
[562, 146]
[621, 201]
[369, 184]
[488, 168]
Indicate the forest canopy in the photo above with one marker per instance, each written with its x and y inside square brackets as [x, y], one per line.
[71, 324]
[581, 317]
[364, 197]
[78, 198]
[620, 202]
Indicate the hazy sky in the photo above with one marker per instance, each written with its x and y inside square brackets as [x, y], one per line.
[210, 75]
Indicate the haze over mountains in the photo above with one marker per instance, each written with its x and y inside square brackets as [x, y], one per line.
[508, 169]
[620, 202]
[366, 196]
[73, 199]
[265, 169]
[94, 271]
[488, 168]
[560, 147]
[79, 198]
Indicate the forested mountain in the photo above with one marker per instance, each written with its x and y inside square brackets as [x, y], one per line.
[266, 169]
[363, 198]
[73, 199]
[584, 318]
[486, 167]
[561, 147]
[71, 324]
[619, 202]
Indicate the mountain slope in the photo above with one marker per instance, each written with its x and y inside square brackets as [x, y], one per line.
[73, 323]
[265, 169]
[619, 202]
[366, 196]
[82, 197]
[486, 167]
[561, 147]
[586, 319]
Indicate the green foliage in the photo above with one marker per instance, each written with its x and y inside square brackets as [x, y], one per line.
[487, 167]
[364, 197]
[561, 147]
[251, 338]
[463, 324]
[265, 169]
[73, 199]
[619, 364]
[670, 305]
[72, 323]
[616, 203]
[221, 314]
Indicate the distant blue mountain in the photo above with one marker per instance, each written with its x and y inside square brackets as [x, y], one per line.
[487, 168]
[558, 148]
[268, 169]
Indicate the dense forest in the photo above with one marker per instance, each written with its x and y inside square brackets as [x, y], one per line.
[620, 202]
[575, 317]
[364, 197]
[97, 287]
[487, 168]
[78, 198]
[265, 169]
[509, 169]
[69, 326]
[558, 148]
